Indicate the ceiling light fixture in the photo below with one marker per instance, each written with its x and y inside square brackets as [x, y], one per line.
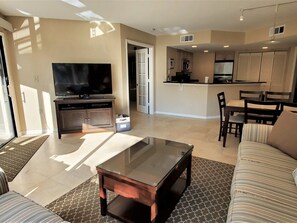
[276, 6]
[226, 46]
[241, 18]
[205, 51]
[264, 47]
[194, 46]
[274, 24]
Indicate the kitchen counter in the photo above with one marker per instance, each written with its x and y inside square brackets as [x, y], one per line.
[197, 82]
[198, 100]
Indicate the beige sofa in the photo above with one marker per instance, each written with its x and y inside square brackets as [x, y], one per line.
[263, 188]
[15, 208]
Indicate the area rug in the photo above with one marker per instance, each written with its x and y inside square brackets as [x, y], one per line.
[205, 200]
[15, 155]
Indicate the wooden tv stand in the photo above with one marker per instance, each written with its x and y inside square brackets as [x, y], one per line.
[84, 115]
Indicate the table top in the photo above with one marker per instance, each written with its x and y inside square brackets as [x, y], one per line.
[240, 104]
[148, 161]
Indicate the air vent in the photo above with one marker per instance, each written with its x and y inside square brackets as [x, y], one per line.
[187, 38]
[278, 30]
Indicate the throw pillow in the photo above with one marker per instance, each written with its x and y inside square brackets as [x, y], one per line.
[284, 132]
[295, 176]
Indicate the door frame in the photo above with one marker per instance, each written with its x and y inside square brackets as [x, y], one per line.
[8, 84]
[150, 74]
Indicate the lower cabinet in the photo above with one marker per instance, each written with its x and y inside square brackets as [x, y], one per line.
[78, 115]
[72, 120]
[99, 117]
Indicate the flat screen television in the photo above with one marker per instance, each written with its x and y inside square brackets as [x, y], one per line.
[82, 79]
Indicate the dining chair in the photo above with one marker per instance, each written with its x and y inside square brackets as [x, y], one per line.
[288, 106]
[253, 95]
[277, 96]
[237, 120]
[261, 111]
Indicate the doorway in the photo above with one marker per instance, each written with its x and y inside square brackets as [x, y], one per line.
[7, 123]
[140, 77]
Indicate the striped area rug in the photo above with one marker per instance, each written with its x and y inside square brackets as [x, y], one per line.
[15, 155]
[205, 200]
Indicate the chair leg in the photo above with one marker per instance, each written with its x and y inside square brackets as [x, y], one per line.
[220, 133]
[240, 131]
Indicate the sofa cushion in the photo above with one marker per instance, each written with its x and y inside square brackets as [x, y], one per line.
[249, 208]
[266, 181]
[284, 132]
[295, 176]
[263, 153]
[16, 208]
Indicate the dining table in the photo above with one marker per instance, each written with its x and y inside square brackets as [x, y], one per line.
[237, 106]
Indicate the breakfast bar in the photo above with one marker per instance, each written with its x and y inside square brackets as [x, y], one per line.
[198, 100]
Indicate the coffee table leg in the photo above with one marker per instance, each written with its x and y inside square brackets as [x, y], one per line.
[103, 196]
[154, 209]
[189, 167]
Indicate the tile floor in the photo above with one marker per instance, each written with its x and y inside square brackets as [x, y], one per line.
[60, 165]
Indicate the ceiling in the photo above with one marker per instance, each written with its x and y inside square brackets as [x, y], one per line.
[162, 17]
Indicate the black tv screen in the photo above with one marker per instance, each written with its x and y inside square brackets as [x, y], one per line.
[82, 78]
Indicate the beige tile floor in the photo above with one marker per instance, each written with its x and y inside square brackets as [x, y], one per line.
[60, 165]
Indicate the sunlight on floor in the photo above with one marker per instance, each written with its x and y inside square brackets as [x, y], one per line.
[62, 164]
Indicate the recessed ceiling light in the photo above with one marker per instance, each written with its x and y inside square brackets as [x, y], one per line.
[205, 51]
[194, 46]
[264, 47]
[226, 46]
[183, 31]
[273, 41]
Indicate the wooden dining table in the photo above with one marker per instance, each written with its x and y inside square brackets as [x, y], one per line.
[237, 106]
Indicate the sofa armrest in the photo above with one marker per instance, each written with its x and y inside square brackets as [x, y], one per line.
[256, 132]
[3, 182]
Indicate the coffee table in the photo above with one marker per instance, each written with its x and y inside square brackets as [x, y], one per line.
[148, 178]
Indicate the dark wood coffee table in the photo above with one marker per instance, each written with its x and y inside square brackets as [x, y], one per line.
[149, 178]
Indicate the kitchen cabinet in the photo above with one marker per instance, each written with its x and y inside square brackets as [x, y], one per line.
[243, 66]
[229, 55]
[273, 70]
[249, 65]
[278, 71]
[266, 67]
[266, 70]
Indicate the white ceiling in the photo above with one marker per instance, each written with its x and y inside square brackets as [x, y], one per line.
[160, 17]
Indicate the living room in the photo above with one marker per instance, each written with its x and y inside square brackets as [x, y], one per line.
[35, 43]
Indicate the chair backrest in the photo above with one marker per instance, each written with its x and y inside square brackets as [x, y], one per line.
[222, 103]
[288, 106]
[261, 110]
[252, 95]
[277, 96]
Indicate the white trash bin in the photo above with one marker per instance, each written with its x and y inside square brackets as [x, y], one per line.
[122, 123]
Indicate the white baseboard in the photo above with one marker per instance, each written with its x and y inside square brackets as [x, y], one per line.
[187, 115]
[35, 132]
